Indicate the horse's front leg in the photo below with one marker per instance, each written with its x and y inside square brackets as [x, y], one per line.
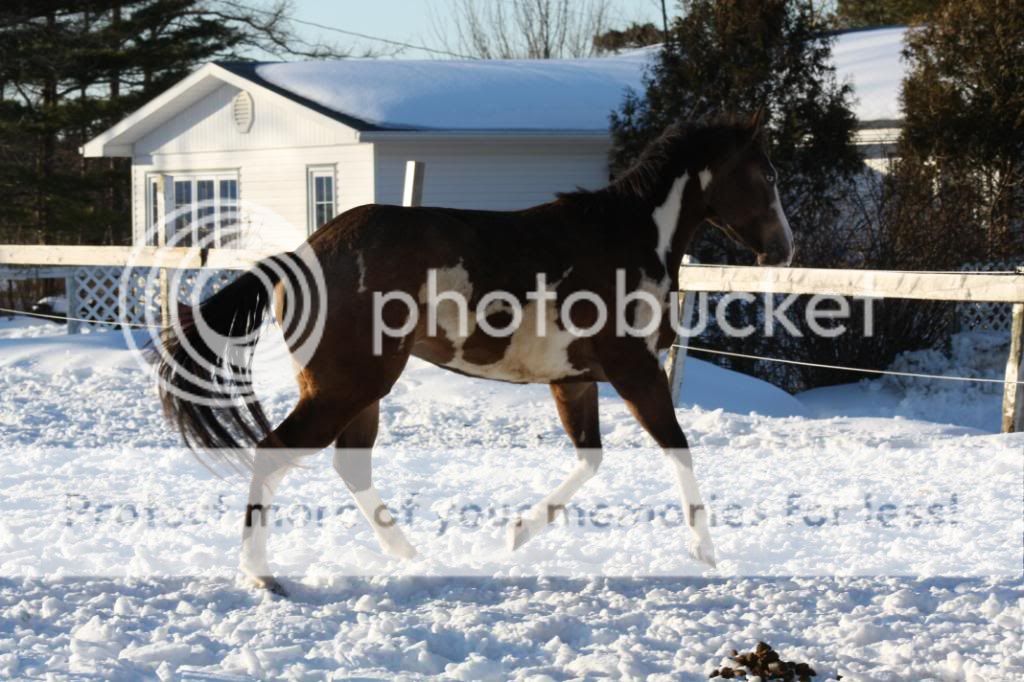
[577, 408]
[640, 381]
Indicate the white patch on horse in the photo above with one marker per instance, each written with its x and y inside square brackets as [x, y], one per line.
[361, 265]
[528, 357]
[705, 178]
[645, 315]
[666, 217]
[452, 284]
[781, 215]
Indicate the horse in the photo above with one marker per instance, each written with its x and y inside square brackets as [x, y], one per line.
[380, 265]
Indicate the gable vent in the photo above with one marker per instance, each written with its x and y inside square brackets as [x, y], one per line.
[241, 108]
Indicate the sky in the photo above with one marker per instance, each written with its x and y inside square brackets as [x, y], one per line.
[413, 21]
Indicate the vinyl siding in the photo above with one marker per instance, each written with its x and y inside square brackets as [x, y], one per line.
[495, 176]
[271, 162]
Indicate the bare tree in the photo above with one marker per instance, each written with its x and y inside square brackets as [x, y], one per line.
[523, 29]
[270, 28]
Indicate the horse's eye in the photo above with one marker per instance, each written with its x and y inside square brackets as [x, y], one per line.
[770, 178]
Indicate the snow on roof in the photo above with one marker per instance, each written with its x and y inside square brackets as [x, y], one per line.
[555, 94]
[871, 61]
[551, 94]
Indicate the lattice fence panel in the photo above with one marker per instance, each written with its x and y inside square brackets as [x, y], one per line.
[987, 316]
[97, 293]
[212, 281]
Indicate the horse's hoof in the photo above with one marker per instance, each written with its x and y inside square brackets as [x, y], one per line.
[269, 583]
[704, 553]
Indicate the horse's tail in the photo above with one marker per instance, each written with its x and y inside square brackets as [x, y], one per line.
[205, 368]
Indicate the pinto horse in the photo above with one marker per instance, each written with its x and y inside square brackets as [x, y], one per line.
[380, 265]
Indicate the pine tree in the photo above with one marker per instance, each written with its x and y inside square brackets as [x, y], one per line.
[71, 68]
[633, 36]
[961, 168]
[734, 57]
[866, 13]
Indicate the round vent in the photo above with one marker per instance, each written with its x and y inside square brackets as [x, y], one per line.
[242, 110]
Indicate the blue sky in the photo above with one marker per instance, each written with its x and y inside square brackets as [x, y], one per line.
[410, 20]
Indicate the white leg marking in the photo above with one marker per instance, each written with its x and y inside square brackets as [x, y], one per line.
[705, 178]
[547, 510]
[390, 537]
[701, 547]
[354, 467]
[269, 468]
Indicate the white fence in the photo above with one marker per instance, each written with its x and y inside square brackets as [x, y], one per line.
[90, 287]
[986, 315]
[1005, 288]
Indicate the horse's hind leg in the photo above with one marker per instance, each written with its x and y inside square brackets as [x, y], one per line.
[577, 408]
[269, 467]
[352, 461]
[311, 426]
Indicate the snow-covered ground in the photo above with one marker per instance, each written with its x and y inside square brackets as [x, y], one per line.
[851, 534]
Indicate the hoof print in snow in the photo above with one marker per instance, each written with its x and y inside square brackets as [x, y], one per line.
[764, 663]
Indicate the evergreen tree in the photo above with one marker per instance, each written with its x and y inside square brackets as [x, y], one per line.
[71, 68]
[633, 36]
[961, 168]
[728, 57]
[737, 56]
[866, 13]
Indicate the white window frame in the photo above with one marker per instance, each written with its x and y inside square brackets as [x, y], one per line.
[312, 173]
[193, 177]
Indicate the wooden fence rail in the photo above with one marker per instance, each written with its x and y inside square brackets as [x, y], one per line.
[933, 286]
[176, 258]
[959, 286]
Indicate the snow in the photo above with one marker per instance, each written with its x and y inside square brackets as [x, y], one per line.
[55, 304]
[871, 61]
[977, 405]
[831, 530]
[553, 94]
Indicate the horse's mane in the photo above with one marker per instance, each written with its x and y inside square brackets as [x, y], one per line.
[681, 145]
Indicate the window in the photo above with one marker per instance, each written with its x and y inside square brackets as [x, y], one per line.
[320, 182]
[228, 211]
[204, 206]
[154, 209]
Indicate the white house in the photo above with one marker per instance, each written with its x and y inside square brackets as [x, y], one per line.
[308, 140]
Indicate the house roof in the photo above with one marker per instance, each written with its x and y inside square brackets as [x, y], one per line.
[484, 97]
[529, 94]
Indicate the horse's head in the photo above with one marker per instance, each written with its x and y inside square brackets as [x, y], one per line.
[743, 201]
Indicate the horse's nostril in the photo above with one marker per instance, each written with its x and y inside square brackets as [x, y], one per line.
[779, 256]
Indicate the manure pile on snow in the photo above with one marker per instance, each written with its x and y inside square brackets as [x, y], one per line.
[765, 664]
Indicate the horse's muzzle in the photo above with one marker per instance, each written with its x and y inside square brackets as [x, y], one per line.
[778, 253]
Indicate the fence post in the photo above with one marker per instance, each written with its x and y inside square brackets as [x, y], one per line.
[412, 194]
[677, 356]
[71, 294]
[164, 292]
[1013, 394]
